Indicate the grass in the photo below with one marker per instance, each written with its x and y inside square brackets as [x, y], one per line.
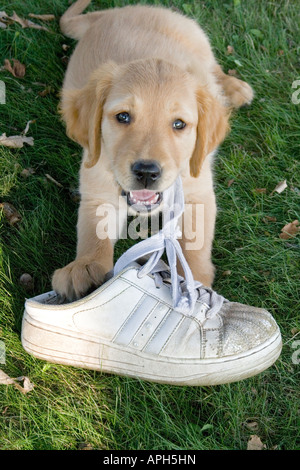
[70, 406]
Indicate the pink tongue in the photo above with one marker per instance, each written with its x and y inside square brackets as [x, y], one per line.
[143, 195]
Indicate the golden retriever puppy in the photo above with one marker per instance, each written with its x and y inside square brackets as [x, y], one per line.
[145, 98]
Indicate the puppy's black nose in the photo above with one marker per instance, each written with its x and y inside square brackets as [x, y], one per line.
[146, 172]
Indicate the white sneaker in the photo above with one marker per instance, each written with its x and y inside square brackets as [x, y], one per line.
[129, 327]
[147, 322]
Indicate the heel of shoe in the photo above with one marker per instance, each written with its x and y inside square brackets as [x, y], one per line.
[58, 346]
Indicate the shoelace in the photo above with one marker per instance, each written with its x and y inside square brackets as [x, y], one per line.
[185, 290]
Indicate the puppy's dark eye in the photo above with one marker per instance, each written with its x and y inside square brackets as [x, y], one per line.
[123, 118]
[178, 124]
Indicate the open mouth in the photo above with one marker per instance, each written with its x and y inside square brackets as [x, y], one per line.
[143, 199]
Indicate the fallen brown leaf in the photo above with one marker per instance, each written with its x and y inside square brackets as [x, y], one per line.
[230, 50]
[226, 273]
[26, 172]
[280, 187]
[85, 446]
[252, 426]
[255, 443]
[26, 23]
[10, 213]
[290, 230]
[15, 141]
[45, 92]
[268, 219]
[17, 70]
[260, 190]
[6, 380]
[42, 17]
[3, 19]
[295, 331]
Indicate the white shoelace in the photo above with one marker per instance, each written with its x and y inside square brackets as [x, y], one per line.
[185, 290]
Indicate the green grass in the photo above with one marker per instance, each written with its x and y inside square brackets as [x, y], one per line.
[70, 406]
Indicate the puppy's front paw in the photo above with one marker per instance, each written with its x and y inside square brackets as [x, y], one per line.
[239, 92]
[78, 278]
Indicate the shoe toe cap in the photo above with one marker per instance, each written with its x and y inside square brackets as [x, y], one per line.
[246, 328]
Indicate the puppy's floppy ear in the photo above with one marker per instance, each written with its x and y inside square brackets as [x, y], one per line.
[213, 125]
[82, 110]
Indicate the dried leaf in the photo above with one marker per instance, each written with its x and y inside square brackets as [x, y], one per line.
[27, 172]
[85, 446]
[42, 17]
[290, 230]
[6, 380]
[15, 141]
[252, 426]
[26, 23]
[295, 331]
[10, 213]
[226, 273]
[260, 190]
[232, 72]
[255, 443]
[268, 219]
[17, 70]
[3, 19]
[230, 182]
[19, 20]
[230, 50]
[45, 92]
[280, 187]
[27, 385]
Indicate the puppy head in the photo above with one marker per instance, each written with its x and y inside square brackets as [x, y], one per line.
[149, 119]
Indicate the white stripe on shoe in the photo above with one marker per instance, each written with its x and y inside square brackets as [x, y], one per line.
[149, 327]
[135, 320]
[164, 332]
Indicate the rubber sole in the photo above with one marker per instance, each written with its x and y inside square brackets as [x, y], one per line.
[57, 345]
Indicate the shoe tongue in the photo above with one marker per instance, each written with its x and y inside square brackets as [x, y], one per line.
[143, 195]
